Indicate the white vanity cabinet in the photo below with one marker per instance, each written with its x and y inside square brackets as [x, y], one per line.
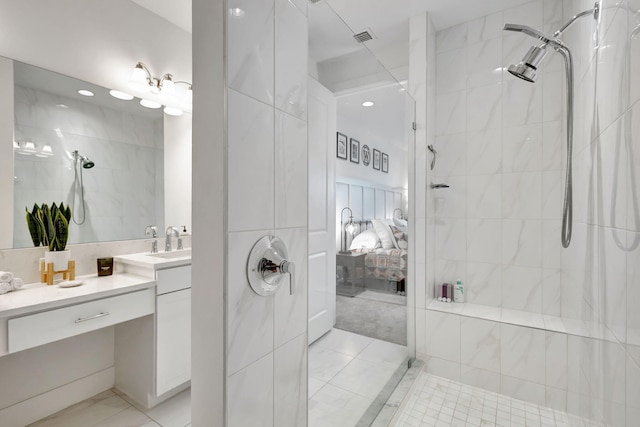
[153, 354]
[173, 329]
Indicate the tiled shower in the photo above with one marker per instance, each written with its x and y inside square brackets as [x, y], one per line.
[552, 326]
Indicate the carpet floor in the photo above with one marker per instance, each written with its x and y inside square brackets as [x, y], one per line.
[375, 315]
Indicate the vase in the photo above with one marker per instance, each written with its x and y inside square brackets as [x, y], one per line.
[60, 259]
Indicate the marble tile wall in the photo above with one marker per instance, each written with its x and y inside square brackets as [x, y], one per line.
[501, 214]
[267, 167]
[501, 149]
[121, 191]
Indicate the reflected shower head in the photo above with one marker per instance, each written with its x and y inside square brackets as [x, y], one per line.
[84, 160]
[526, 69]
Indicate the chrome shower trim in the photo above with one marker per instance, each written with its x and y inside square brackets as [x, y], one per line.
[526, 70]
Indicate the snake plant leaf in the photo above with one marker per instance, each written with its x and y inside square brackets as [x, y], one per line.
[35, 230]
[61, 226]
[39, 215]
[49, 230]
[54, 211]
[66, 211]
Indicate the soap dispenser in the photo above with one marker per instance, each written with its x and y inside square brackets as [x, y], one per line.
[458, 291]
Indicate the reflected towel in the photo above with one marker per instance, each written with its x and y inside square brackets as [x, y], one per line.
[5, 276]
[16, 284]
[4, 287]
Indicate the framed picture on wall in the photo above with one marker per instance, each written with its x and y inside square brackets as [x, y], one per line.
[341, 139]
[355, 151]
[376, 159]
[385, 163]
[366, 155]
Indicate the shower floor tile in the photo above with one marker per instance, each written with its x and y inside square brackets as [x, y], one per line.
[435, 401]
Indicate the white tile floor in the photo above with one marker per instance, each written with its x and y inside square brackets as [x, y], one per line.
[435, 401]
[346, 373]
[108, 409]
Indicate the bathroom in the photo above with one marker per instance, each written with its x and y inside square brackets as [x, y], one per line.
[501, 149]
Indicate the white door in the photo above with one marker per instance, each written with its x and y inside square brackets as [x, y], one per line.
[322, 249]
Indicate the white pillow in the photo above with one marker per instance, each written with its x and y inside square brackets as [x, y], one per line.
[368, 239]
[400, 222]
[384, 233]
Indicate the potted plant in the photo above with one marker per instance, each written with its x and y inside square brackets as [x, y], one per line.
[49, 226]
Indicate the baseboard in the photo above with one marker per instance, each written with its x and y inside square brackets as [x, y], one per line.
[52, 401]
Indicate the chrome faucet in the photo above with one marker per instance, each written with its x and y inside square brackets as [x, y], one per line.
[153, 230]
[172, 231]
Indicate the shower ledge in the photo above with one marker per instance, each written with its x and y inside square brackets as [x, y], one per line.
[588, 329]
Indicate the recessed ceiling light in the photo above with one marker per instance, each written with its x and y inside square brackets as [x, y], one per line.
[173, 111]
[85, 92]
[149, 103]
[368, 104]
[120, 95]
[236, 11]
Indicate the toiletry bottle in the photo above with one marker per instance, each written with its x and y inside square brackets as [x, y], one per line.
[458, 291]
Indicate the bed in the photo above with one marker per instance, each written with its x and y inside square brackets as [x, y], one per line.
[385, 244]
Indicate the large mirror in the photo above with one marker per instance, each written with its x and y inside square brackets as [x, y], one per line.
[103, 156]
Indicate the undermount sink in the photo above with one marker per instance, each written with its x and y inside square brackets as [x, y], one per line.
[172, 254]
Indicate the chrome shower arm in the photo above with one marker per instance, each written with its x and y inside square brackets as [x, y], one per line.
[595, 12]
[532, 32]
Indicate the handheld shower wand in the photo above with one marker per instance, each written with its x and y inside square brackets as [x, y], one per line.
[526, 70]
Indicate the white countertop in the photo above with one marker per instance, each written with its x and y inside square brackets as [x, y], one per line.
[36, 297]
[158, 261]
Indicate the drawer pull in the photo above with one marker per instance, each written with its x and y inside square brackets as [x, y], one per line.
[84, 319]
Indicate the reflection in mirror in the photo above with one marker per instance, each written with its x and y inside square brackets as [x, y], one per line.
[100, 155]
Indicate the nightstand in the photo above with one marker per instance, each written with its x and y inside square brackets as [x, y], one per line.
[350, 263]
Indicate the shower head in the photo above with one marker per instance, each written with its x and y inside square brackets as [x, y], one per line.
[84, 160]
[526, 69]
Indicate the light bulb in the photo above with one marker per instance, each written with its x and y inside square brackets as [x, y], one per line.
[189, 96]
[168, 87]
[351, 227]
[29, 147]
[138, 79]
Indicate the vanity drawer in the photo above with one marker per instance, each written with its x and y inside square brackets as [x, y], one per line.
[42, 328]
[173, 279]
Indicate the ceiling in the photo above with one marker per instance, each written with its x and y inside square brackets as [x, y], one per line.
[388, 20]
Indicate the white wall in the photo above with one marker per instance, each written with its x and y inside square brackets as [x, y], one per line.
[261, 167]
[177, 171]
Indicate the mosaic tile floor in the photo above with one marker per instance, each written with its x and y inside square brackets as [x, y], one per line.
[434, 402]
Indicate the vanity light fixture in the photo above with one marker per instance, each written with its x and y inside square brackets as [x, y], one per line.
[368, 104]
[150, 104]
[45, 151]
[142, 80]
[120, 95]
[27, 148]
[85, 92]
